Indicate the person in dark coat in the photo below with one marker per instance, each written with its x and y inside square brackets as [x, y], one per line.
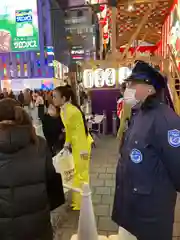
[11, 95]
[29, 185]
[53, 130]
[1, 95]
[21, 98]
[148, 172]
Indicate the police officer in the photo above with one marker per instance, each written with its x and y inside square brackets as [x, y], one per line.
[148, 173]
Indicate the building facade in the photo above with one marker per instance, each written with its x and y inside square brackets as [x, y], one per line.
[22, 66]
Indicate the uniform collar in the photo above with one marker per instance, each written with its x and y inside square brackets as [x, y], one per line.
[151, 102]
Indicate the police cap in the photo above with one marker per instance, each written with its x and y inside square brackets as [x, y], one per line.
[144, 73]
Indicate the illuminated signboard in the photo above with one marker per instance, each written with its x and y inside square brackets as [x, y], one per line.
[18, 26]
[77, 53]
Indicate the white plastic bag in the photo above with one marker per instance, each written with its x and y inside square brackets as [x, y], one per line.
[64, 164]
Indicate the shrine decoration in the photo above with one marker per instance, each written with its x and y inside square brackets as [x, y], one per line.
[100, 78]
[141, 49]
[103, 16]
[127, 23]
[109, 17]
[101, 8]
[170, 35]
[124, 72]
[110, 77]
[105, 36]
[102, 21]
[120, 104]
[88, 78]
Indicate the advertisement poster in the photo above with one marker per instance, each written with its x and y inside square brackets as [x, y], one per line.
[47, 84]
[18, 26]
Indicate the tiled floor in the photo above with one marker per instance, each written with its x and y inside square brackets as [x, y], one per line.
[103, 165]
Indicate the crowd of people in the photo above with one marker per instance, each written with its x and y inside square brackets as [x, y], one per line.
[29, 186]
[147, 175]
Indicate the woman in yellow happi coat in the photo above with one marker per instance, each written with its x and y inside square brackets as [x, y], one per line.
[77, 137]
[125, 116]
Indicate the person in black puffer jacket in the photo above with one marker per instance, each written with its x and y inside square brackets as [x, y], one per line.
[29, 185]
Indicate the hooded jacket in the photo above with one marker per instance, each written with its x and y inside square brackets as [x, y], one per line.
[24, 207]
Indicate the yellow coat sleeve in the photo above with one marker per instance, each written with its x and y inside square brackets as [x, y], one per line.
[74, 127]
[126, 113]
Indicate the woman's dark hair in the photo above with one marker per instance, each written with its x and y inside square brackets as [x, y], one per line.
[67, 92]
[13, 115]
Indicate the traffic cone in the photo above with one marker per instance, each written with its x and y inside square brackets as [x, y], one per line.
[122, 235]
[87, 224]
[113, 237]
[87, 229]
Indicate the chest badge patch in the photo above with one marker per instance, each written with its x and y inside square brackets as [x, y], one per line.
[174, 138]
[136, 156]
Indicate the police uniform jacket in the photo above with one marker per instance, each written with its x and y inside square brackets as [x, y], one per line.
[148, 173]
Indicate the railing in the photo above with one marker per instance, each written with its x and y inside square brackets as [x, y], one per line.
[174, 82]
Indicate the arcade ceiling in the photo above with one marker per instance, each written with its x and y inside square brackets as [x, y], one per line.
[130, 15]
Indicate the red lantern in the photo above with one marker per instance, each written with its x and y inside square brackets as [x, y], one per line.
[105, 36]
[101, 8]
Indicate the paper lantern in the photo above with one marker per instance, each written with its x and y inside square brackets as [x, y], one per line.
[124, 72]
[88, 80]
[99, 78]
[110, 77]
[103, 21]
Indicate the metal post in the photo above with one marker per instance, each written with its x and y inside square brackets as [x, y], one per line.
[113, 37]
[114, 123]
[104, 122]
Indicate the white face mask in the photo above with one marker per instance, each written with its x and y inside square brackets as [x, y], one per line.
[130, 96]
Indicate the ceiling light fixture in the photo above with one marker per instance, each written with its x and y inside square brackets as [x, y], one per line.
[131, 8]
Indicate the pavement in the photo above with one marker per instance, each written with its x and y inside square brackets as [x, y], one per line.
[102, 173]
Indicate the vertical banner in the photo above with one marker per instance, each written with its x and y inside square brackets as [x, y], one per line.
[175, 31]
[168, 30]
[18, 26]
[165, 39]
